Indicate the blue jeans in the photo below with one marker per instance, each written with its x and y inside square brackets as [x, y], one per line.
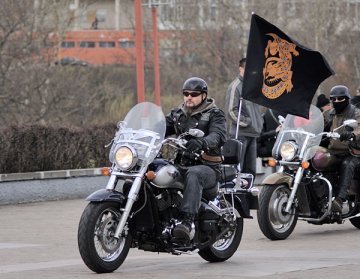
[198, 179]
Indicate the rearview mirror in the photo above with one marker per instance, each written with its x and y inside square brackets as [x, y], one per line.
[351, 123]
[281, 119]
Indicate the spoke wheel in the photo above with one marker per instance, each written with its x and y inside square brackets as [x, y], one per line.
[100, 251]
[227, 245]
[274, 222]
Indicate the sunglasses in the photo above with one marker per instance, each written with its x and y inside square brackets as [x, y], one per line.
[338, 99]
[192, 94]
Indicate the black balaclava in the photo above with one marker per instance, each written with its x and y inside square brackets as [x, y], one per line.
[340, 106]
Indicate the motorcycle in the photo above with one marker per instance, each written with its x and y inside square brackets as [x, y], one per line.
[140, 205]
[304, 185]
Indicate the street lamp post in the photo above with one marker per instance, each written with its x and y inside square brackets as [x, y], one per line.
[156, 55]
[153, 5]
[139, 45]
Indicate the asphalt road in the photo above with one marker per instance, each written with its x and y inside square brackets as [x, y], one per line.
[38, 240]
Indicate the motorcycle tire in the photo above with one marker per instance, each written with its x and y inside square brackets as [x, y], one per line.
[355, 222]
[101, 252]
[225, 247]
[274, 223]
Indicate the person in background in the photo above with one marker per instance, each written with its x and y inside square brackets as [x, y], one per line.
[268, 134]
[356, 99]
[201, 173]
[323, 103]
[250, 124]
[348, 143]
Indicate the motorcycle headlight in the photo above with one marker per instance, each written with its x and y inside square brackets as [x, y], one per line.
[125, 157]
[288, 150]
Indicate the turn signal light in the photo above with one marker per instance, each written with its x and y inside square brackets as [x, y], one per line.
[105, 171]
[271, 162]
[305, 164]
[150, 175]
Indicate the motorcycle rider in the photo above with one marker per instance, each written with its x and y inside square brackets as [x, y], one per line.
[200, 173]
[348, 143]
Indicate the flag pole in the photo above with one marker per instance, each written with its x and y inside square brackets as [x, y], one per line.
[238, 118]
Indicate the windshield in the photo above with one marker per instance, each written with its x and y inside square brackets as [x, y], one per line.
[144, 129]
[147, 116]
[302, 131]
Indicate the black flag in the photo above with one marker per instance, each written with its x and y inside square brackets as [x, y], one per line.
[280, 73]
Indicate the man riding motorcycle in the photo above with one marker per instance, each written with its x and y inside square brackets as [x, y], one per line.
[199, 164]
[348, 145]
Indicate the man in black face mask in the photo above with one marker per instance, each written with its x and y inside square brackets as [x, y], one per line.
[342, 110]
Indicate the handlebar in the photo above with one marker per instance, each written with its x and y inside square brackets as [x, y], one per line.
[181, 142]
[178, 142]
[333, 135]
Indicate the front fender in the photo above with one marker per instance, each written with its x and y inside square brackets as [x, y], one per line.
[103, 195]
[278, 178]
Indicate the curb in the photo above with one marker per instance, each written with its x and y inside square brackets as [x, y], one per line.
[16, 188]
[49, 174]
[30, 187]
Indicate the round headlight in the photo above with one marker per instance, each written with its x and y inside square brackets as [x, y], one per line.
[125, 157]
[288, 150]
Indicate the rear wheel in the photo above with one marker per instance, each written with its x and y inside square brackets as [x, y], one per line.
[98, 247]
[356, 222]
[274, 222]
[227, 245]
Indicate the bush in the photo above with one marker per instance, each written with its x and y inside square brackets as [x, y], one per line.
[41, 147]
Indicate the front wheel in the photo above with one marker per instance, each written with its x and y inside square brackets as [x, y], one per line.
[274, 222]
[227, 245]
[100, 251]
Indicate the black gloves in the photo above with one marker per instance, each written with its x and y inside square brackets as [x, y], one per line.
[195, 145]
[346, 136]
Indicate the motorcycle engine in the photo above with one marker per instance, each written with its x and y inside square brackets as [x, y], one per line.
[169, 199]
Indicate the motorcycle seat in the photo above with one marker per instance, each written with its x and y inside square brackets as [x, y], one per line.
[228, 173]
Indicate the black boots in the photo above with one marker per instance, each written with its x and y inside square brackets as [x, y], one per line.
[337, 205]
[184, 231]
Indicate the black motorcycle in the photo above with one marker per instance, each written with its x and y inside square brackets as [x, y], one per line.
[140, 205]
[306, 180]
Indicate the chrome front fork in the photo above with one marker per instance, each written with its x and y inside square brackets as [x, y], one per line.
[297, 180]
[131, 198]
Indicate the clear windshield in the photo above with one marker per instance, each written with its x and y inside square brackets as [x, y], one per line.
[147, 116]
[302, 131]
[144, 129]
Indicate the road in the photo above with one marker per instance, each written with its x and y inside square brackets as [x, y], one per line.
[39, 240]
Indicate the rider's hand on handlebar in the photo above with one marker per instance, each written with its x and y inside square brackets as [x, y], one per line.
[346, 136]
[195, 145]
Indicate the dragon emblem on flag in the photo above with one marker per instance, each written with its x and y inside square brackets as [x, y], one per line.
[277, 73]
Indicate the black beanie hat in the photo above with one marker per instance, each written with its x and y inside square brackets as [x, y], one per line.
[322, 100]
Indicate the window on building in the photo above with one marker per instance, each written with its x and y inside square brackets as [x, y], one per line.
[101, 15]
[127, 44]
[86, 44]
[107, 44]
[67, 44]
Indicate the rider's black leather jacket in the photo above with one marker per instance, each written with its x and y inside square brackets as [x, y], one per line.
[207, 117]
